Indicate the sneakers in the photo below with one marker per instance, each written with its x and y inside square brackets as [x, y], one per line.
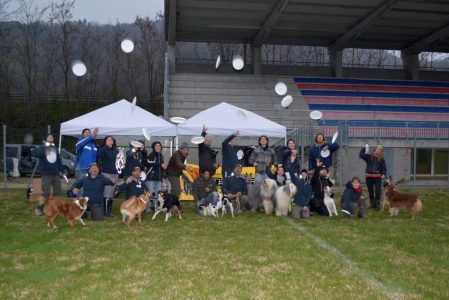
[346, 213]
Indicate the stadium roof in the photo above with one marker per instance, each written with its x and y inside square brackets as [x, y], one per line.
[410, 25]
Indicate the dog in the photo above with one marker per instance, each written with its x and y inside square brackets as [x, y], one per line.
[267, 190]
[71, 210]
[284, 195]
[134, 205]
[399, 200]
[169, 204]
[254, 196]
[394, 211]
[329, 201]
[211, 210]
[225, 204]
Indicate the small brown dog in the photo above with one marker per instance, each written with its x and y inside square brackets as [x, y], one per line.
[397, 200]
[132, 206]
[71, 210]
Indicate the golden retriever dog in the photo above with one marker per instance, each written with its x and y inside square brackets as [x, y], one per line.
[397, 200]
[134, 206]
[71, 210]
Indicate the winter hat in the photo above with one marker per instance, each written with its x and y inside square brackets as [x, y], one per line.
[184, 145]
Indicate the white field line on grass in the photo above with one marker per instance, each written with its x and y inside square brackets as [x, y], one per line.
[387, 291]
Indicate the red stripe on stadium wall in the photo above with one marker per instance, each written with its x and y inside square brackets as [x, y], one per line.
[366, 87]
[384, 116]
[376, 101]
[388, 132]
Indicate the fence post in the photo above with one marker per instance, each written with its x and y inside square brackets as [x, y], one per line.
[414, 157]
[5, 175]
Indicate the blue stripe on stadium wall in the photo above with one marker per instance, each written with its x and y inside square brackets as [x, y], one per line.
[371, 81]
[369, 108]
[402, 95]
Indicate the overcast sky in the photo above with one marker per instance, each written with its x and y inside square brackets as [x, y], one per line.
[109, 11]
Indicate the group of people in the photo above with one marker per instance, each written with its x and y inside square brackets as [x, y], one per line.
[97, 175]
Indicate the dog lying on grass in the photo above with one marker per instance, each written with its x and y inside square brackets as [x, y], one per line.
[71, 210]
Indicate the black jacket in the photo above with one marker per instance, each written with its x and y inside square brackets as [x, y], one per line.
[207, 157]
[154, 164]
[318, 183]
[235, 184]
[229, 154]
[47, 168]
[93, 188]
[106, 158]
[373, 165]
[293, 167]
[133, 188]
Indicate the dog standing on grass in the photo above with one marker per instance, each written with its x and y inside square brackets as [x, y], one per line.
[284, 195]
[134, 205]
[169, 204]
[267, 190]
[57, 206]
[397, 200]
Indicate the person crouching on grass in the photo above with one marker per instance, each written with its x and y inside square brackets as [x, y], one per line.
[133, 185]
[93, 185]
[352, 199]
[204, 190]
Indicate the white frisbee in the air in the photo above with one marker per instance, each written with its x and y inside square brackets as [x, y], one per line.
[217, 63]
[280, 88]
[241, 114]
[136, 144]
[334, 137]
[240, 154]
[133, 104]
[237, 62]
[143, 176]
[51, 156]
[325, 153]
[286, 101]
[146, 134]
[127, 45]
[316, 115]
[177, 120]
[79, 68]
[197, 140]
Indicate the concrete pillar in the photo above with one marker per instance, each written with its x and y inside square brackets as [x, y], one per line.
[257, 60]
[411, 63]
[336, 59]
[171, 50]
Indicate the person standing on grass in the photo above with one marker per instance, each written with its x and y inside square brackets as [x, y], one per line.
[175, 166]
[290, 160]
[86, 154]
[262, 158]
[93, 185]
[315, 157]
[133, 186]
[229, 159]
[207, 156]
[353, 199]
[156, 168]
[50, 171]
[107, 155]
[375, 171]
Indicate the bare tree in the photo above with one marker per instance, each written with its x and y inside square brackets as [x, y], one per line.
[113, 59]
[7, 47]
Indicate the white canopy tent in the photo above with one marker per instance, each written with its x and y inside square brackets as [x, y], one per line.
[224, 119]
[121, 118]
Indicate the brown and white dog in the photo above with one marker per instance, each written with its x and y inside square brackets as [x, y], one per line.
[71, 210]
[384, 203]
[267, 190]
[398, 200]
[134, 205]
[169, 204]
[284, 195]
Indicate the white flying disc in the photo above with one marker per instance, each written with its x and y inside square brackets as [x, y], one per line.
[240, 154]
[316, 115]
[366, 149]
[177, 120]
[197, 140]
[51, 156]
[280, 88]
[133, 104]
[334, 137]
[237, 62]
[217, 63]
[241, 114]
[136, 144]
[325, 153]
[127, 45]
[146, 134]
[286, 101]
[143, 176]
[79, 68]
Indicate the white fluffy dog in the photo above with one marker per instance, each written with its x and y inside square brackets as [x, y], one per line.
[284, 195]
[329, 202]
[267, 190]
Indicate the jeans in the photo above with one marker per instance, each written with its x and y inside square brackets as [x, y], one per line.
[153, 186]
[80, 173]
[212, 198]
[260, 177]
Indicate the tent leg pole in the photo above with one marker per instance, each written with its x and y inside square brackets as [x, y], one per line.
[60, 142]
[176, 143]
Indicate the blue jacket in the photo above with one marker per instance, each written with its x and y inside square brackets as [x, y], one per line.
[229, 156]
[315, 153]
[349, 197]
[234, 184]
[106, 158]
[86, 152]
[304, 192]
[93, 188]
[289, 166]
[47, 168]
[133, 188]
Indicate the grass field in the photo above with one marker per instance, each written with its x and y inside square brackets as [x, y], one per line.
[250, 257]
